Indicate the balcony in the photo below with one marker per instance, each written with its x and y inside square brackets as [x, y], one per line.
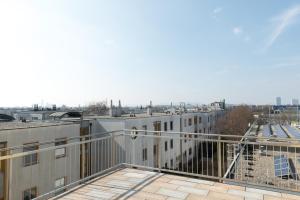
[139, 164]
[133, 184]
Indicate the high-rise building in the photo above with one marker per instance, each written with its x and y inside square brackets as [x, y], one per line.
[278, 101]
[295, 102]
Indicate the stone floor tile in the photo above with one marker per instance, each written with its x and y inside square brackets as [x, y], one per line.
[199, 181]
[190, 190]
[183, 183]
[165, 185]
[196, 197]
[252, 195]
[233, 187]
[135, 175]
[268, 197]
[290, 196]
[223, 196]
[146, 195]
[172, 193]
[212, 188]
[271, 193]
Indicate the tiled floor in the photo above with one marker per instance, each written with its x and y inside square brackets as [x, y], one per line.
[135, 184]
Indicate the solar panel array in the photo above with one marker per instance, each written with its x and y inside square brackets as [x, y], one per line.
[293, 131]
[279, 131]
[281, 166]
[266, 130]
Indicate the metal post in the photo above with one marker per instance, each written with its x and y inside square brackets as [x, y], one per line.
[219, 159]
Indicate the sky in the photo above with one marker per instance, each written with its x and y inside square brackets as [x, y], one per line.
[76, 52]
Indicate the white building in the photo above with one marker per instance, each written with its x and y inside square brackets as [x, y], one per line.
[145, 150]
[41, 172]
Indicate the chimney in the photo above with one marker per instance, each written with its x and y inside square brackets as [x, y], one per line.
[149, 109]
[111, 112]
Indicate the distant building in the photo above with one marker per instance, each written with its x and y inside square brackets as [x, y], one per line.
[278, 101]
[295, 102]
[146, 151]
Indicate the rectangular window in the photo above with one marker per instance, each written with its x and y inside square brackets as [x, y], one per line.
[203, 130]
[30, 159]
[166, 165]
[171, 144]
[145, 154]
[171, 163]
[154, 149]
[166, 146]
[166, 126]
[60, 152]
[30, 193]
[195, 120]
[171, 125]
[59, 183]
[200, 120]
[190, 151]
[190, 121]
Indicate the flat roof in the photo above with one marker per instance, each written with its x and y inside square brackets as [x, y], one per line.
[142, 115]
[36, 124]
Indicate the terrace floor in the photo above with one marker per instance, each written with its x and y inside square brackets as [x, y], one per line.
[133, 184]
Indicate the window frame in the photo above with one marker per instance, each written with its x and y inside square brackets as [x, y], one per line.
[36, 147]
[30, 192]
[64, 142]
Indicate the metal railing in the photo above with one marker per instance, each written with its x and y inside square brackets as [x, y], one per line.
[42, 171]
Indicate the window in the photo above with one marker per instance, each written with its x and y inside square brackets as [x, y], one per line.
[171, 162]
[166, 165]
[30, 159]
[171, 125]
[200, 120]
[190, 151]
[195, 120]
[60, 152]
[185, 122]
[184, 154]
[166, 126]
[171, 144]
[154, 149]
[203, 130]
[166, 146]
[61, 182]
[208, 119]
[145, 154]
[30, 193]
[190, 121]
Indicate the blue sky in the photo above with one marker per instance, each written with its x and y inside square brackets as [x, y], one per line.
[76, 52]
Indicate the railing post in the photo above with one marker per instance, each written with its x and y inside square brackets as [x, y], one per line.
[158, 152]
[219, 159]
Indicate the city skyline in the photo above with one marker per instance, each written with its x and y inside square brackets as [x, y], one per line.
[72, 52]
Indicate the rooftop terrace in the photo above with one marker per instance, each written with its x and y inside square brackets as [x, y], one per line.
[136, 184]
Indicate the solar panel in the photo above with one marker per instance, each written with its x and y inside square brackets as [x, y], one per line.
[281, 166]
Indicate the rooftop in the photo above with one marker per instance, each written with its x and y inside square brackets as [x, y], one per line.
[34, 124]
[142, 115]
[133, 184]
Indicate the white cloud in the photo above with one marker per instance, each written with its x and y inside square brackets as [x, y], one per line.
[282, 22]
[237, 30]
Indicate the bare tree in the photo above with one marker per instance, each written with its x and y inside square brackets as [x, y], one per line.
[99, 108]
[235, 121]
